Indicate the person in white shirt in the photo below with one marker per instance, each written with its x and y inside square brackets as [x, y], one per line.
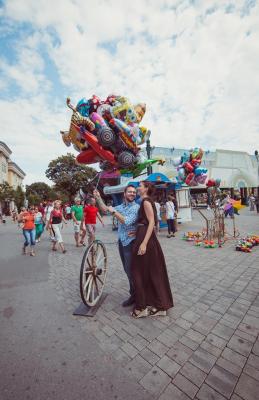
[170, 216]
[48, 209]
[158, 212]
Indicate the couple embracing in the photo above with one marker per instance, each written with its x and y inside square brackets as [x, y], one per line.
[141, 254]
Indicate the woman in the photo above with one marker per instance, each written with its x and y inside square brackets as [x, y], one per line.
[38, 223]
[55, 222]
[170, 216]
[150, 279]
[28, 227]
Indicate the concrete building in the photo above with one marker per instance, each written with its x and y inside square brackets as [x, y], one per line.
[236, 169]
[10, 172]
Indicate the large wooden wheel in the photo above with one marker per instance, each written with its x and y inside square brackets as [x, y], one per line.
[93, 273]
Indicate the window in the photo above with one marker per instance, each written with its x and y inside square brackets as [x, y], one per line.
[4, 169]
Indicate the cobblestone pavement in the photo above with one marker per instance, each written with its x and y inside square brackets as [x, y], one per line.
[208, 345]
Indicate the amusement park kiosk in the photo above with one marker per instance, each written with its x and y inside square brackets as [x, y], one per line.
[164, 186]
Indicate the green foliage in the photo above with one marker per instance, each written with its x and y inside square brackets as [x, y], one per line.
[6, 191]
[69, 176]
[19, 197]
[39, 190]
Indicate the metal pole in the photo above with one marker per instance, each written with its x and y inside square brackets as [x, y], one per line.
[148, 150]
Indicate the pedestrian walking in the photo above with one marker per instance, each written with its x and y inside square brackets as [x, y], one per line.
[55, 223]
[158, 214]
[68, 212]
[251, 201]
[170, 216]
[126, 214]
[150, 280]
[88, 224]
[257, 203]
[46, 218]
[38, 220]
[77, 213]
[28, 228]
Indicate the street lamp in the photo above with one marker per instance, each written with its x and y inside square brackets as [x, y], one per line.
[149, 150]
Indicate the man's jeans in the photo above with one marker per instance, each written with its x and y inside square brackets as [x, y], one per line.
[126, 255]
[29, 235]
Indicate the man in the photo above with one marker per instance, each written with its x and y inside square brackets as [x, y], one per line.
[46, 218]
[90, 214]
[127, 215]
[77, 212]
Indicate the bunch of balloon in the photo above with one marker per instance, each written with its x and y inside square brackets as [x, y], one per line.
[189, 168]
[106, 131]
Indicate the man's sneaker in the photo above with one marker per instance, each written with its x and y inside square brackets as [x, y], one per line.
[129, 302]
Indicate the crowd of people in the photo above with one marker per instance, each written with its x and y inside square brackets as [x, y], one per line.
[138, 245]
[51, 216]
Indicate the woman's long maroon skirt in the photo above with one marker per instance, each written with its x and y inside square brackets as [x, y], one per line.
[149, 273]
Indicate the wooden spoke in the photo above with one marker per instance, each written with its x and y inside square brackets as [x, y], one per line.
[91, 284]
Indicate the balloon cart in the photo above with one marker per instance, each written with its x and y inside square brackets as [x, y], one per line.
[93, 273]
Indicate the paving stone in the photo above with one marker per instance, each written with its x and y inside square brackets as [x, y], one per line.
[191, 316]
[207, 393]
[223, 331]
[229, 366]
[180, 353]
[204, 325]
[240, 345]
[249, 329]
[222, 380]
[203, 360]
[234, 357]
[189, 342]
[194, 374]
[155, 381]
[173, 393]
[249, 370]
[168, 338]
[139, 342]
[169, 366]
[216, 341]
[138, 367]
[210, 348]
[183, 323]
[245, 336]
[108, 331]
[121, 356]
[130, 350]
[158, 348]
[247, 388]
[255, 349]
[252, 321]
[149, 356]
[254, 361]
[185, 385]
[195, 336]
[235, 397]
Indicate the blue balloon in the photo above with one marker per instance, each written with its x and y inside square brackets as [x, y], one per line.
[199, 171]
[83, 107]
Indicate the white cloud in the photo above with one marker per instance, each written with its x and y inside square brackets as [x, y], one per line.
[195, 65]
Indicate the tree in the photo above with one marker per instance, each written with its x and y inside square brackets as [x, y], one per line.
[19, 197]
[40, 190]
[6, 192]
[69, 176]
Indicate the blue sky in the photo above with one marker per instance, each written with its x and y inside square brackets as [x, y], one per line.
[194, 63]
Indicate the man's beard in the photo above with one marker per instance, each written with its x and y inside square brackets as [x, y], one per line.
[130, 200]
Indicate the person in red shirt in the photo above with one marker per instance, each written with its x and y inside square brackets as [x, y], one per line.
[91, 212]
[28, 227]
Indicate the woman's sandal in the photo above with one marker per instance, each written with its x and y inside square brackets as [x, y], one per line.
[139, 313]
[154, 312]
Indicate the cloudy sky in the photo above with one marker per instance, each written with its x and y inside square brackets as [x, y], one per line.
[193, 62]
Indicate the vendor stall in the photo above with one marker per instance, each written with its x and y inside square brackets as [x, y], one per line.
[164, 186]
